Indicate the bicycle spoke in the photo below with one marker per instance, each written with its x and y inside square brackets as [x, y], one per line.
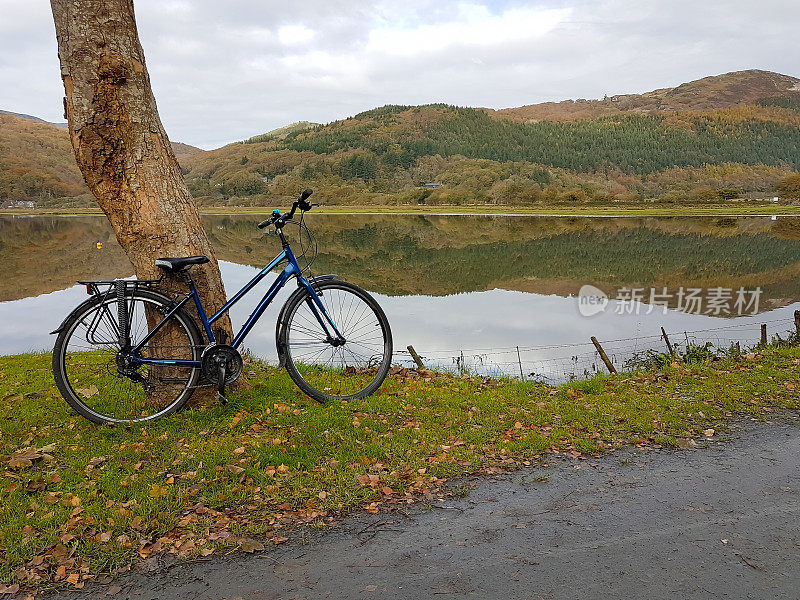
[108, 388]
[326, 367]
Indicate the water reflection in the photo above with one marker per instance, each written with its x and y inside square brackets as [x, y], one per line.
[484, 326]
[447, 283]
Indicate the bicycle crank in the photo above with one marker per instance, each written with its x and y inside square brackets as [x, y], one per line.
[221, 365]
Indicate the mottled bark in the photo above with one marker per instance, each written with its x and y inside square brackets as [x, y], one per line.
[120, 144]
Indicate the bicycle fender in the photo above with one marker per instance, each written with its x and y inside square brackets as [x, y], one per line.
[279, 343]
[94, 298]
[83, 304]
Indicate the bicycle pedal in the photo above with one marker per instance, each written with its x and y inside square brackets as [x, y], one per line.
[222, 399]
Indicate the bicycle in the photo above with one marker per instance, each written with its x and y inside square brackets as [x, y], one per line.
[133, 353]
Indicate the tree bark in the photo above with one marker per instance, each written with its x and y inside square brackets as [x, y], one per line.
[121, 146]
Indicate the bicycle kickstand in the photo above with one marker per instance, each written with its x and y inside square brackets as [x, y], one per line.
[221, 368]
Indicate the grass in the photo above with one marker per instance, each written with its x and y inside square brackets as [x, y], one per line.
[87, 500]
[644, 209]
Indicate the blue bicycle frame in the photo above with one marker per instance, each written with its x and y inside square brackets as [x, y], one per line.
[292, 269]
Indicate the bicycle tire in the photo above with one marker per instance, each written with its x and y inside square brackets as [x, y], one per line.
[85, 371]
[325, 372]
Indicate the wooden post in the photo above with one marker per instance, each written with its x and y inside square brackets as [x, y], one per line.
[603, 355]
[764, 334]
[519, 358]
[797, 321]
[416, 357]
[666, 339]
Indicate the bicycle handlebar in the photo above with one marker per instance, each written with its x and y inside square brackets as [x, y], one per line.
[280, 219]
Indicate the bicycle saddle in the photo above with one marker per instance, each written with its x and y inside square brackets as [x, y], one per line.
[179, 264]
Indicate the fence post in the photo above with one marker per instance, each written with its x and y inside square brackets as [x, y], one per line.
[519, 358]
[666, 339]
[416, 357]
[603, 355]
[763, 334]
[797, 321]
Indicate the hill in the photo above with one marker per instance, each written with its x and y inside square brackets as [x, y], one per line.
[32, 118]
[37, 163]
[715, 139]
[180, 149]
[708, 93]
[731, 136]
[282, 132]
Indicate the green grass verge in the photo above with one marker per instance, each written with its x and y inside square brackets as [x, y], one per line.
[89, 499]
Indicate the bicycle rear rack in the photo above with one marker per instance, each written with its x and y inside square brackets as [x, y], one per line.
[113, 288]
[93, 287]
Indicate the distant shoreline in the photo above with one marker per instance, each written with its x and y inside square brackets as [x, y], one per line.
[719, 210]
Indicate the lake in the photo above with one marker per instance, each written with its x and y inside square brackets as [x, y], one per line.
[491, 294]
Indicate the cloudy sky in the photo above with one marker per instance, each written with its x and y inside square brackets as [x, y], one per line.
[223, 70]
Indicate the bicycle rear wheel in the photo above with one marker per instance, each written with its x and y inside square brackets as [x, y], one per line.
[89, 365]
[321, 368]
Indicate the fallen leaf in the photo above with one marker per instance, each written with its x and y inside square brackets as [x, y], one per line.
[73, 579]
[157, 491]
[9, 589]
[23, 459]
[88, 392]
[105, 536]
[36, 485]
[322, 495]
[95, 462]
[250, 545]
[708, 432]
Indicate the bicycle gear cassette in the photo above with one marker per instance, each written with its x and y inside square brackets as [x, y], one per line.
[212, 358]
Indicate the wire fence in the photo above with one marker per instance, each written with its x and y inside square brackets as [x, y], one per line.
[559, 363]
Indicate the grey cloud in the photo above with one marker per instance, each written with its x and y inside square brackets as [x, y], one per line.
[221, 72]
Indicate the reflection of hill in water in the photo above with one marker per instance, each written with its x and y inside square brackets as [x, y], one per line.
[444, 255]
[43, 254]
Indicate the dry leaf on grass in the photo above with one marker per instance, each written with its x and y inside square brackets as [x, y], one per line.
[9, 589]
[250, 545]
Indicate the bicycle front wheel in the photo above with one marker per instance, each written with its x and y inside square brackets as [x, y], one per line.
[90, 368]
[327, 369]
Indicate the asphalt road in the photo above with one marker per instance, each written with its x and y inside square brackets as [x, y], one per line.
[719, 522]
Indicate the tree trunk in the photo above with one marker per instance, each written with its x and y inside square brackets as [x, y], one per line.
[121, 146]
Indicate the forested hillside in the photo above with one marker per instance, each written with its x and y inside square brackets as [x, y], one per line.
[37, 163]
[722, 138]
